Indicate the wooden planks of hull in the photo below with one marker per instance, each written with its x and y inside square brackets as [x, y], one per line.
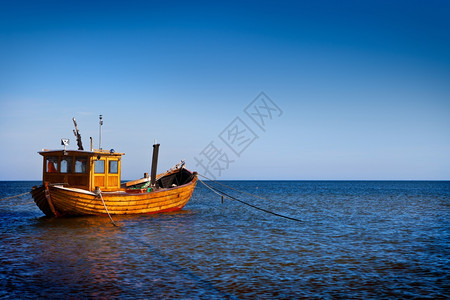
[38, 194]
[72, 202]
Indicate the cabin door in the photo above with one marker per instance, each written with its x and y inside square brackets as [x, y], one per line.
[100, 177]
[113, 171]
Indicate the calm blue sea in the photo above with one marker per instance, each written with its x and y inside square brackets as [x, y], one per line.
[355, 239]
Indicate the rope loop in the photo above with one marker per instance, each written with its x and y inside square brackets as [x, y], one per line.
[98, 192]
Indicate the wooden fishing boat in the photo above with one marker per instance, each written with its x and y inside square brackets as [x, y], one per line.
[78, 182]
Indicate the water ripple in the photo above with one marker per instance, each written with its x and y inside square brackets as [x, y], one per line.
[357, 240]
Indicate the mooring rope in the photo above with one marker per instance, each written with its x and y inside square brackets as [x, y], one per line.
[101, 197]
[223, 194]
[17, 204]
[16, 196]
[231, 188]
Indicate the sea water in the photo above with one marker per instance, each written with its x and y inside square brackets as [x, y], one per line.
[352, 239]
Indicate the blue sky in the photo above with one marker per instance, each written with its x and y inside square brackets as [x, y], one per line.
[363, 87]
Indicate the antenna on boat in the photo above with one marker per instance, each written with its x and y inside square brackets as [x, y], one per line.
[100, 132]
[76, 132]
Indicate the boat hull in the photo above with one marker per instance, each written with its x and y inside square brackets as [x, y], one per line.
[56, 201]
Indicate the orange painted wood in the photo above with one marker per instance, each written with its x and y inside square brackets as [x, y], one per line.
[70, 201]
[74, 193]
[134, 182]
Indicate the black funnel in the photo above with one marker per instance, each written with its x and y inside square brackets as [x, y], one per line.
[154, 164]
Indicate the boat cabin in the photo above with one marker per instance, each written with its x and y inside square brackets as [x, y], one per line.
[82, 169]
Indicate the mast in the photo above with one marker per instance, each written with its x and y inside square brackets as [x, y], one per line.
[100, 132]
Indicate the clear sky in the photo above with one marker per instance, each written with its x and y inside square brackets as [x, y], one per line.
[352, 89]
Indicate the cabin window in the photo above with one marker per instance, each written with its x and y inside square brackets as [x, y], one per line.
[66, 165]
[52, 164]
[80, 164]
[99, 166]
[113, 167]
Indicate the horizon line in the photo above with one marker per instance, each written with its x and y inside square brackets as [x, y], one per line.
[6, 180]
